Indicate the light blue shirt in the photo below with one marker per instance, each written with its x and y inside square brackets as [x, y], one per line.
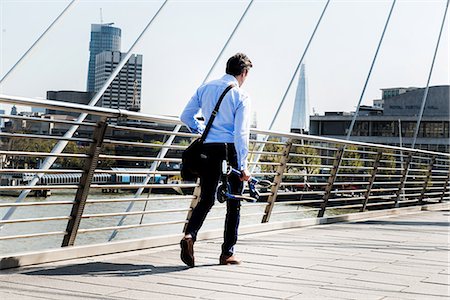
[232, 122]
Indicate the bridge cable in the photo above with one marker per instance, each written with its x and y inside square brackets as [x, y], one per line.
[352, 124]
[228, 41]
[59, 147]
[298, 66]
[425, 94]
[339, 163]
[164, 151]
[261, 147]
[37, 41]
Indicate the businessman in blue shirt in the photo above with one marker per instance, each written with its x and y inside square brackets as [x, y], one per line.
[227, 139]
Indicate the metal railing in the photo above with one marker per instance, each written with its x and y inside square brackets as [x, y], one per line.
[118, 181]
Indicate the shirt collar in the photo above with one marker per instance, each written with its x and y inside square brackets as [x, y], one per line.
[230, 79]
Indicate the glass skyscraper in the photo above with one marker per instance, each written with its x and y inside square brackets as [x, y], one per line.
[104, 37]
[300, 114]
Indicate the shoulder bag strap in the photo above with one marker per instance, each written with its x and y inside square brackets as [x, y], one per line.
[214, 113]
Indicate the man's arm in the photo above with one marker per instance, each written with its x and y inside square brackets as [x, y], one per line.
[241, 134]
[188, 115]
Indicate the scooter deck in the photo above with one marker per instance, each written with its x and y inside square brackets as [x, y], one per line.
[242, 197]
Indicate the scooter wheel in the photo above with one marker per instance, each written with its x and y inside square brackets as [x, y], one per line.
[221, 192]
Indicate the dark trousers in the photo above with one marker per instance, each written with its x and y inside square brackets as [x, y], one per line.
[214, 154]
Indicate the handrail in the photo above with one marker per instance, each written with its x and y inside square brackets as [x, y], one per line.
[80, 108]
[116, 113]
[314, 138]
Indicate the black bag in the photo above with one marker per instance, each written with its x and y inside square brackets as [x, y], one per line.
[192, 156]
[191, 161]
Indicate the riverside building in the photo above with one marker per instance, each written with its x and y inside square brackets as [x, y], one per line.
[393, 118]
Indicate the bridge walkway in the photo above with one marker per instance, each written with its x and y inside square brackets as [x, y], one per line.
[400, 257]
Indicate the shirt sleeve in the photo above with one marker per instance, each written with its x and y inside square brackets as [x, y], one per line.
[242, 131]
[192, 108]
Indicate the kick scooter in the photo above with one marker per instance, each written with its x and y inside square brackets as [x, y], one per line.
[223, 191]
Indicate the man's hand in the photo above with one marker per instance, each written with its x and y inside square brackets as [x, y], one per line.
[245, 175]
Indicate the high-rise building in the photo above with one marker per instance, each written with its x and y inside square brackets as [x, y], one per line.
[300, 114]
[104, 37]
[125, 90]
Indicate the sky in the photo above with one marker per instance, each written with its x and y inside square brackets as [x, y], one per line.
[186, 37]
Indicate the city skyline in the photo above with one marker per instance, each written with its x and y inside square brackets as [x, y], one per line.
[338, 59]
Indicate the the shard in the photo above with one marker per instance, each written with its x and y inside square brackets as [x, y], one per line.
[300, 114]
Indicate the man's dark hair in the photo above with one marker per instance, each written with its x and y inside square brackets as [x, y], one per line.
[237, 64]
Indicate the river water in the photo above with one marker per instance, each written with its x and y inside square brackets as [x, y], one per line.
[251, 214]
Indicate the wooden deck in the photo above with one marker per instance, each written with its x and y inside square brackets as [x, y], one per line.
[401, 257]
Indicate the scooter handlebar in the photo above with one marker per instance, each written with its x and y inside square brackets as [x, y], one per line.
[252, 180]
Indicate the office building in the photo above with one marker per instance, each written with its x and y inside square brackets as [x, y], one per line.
[104, 37]
[68, 96]
[125, 90]
[401, 108]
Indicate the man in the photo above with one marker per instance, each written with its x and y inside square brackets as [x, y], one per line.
[227, 139]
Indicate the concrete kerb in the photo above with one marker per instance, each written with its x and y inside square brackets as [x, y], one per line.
[74, 252]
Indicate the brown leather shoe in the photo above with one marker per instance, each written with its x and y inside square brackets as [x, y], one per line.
[229, 260]
[187, 251]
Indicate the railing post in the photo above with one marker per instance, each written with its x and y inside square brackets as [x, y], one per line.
[85, 184]
[331, 180]
[372, 179]
[402, 180]
[445, 187]
[427, 179]
[276, 182]
[194, 202]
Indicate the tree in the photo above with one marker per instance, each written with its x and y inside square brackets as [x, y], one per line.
[44, 146]
[73, 162]
[388, 161]
[271, 158]
[309, 158]
[28, 145]
[353, 159]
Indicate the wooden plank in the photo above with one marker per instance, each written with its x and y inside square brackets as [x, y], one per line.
[392, 257]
